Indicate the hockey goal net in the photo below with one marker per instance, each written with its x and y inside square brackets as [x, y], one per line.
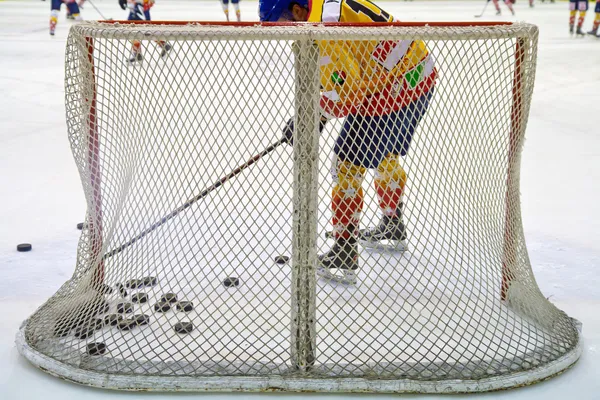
[455, 309]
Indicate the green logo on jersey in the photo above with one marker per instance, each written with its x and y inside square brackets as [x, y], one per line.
[414, 76]
[338, 77]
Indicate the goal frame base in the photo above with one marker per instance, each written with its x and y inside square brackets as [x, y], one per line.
[279, 383]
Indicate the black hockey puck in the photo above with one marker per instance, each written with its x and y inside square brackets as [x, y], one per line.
[169, 298]
[134, 283]
[126, 325]
[80, 226]
[96, 348]
[113, 319]
[183, 327]
[124, 308]
[231, 281]
[328, 234]
[121, 290]
[162, 306]
[282, 259]
[185, 306]
[98, 323]
[141, 319]
[150, 281]
[24, 247]
[139, 298]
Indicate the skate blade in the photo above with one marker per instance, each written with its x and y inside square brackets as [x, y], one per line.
[385, 245]
[339, 277]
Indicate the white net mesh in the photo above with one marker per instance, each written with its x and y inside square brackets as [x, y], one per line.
[455, 301]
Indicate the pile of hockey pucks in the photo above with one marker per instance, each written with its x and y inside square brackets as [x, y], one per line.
[169, 301]
[93, 315]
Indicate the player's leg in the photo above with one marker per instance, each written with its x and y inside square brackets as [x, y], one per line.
[583, 7]
[135, 14]
[390, 233]
[509, 4]
[572, 15]
[395, 134]
[226, 9]
[497, 6]
[54, 12]
[341, 261]
[596, 24]
[73, 8]
[236, 7]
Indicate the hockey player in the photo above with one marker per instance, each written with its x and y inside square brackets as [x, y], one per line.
[574, 6]
[594, 30]
[382, 89]
[509, 4]
[236, 7]
[140, 10]
[73, 10]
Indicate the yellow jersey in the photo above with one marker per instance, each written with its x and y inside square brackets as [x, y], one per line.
[368, 77]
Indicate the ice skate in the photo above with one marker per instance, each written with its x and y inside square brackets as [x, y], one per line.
[390, 234]
[593, 32]
[579, 32]
[571, 29]
[136, 58]
[340, 263]
[165, 50]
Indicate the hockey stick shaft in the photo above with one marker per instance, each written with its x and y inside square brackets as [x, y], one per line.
[195, 199]
[484, 8]
[96, 8]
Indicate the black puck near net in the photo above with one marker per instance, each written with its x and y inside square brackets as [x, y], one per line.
[80, 226]
[162, 306]
[185, 306]
[169, 298]
[24, 247]
[113, 319]
[139, 298]
[183, 327]
[96, 349]
[231, 281]
[281, 259]
[124, 308]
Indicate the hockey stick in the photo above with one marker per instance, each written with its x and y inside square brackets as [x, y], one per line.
[484, 8]
[99, 12]
[195, 199]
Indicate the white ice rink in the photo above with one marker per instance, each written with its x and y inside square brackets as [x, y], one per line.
[42, 200]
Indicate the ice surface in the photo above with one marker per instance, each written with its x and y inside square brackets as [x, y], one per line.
[42, 199]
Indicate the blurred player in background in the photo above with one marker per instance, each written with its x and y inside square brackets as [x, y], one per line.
[508, 3]
[236, 7]
[594, 30]
[382, 90]
[574, 6]
[72, 10]
[139, 10]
